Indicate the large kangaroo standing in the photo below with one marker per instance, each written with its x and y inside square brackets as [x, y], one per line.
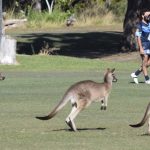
[82, 94]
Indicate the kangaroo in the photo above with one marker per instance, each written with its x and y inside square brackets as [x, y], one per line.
[145, 118]
[1, 77]
[82, 94]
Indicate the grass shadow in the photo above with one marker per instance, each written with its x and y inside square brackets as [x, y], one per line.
[145, 134]
[141, 82]
[87, 45]
[81, 129]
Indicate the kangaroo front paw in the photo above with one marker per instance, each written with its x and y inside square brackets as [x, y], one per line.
[103, 107]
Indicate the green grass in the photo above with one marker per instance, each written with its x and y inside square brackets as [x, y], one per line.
[35, 86]
[64, 63]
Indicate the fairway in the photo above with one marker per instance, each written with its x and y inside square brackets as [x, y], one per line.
[36, 85]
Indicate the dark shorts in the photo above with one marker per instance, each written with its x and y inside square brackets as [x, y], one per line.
[146, 47]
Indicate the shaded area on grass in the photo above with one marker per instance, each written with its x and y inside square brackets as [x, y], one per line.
[81, 129]
[87, 45]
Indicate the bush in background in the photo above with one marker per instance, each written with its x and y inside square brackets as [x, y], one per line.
[87, 12]
[118, 7]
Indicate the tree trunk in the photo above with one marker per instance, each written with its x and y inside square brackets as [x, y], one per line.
[50, 6]
[7, 44]
[8, 51]
[107, 3]
[130, 21]
[37, 5]
[1, 20]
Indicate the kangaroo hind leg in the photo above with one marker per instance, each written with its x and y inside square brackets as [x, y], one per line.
[76, 108]
[70, 119]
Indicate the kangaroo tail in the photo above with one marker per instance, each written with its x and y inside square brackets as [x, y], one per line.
[146, 116]
[60, 105]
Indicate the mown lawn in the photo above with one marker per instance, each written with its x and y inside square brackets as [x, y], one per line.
[36, 85]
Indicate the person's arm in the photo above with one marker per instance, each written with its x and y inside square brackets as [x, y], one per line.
[139, 42]
[141, 50]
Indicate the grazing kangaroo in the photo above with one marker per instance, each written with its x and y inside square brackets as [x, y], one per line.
[82, 94]
[145, 118]
[1, 77]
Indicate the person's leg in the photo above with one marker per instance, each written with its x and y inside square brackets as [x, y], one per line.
[148, 62]
[135, 74]
[144, 67]
[135, 77]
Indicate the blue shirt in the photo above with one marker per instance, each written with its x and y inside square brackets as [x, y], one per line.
[143, 31]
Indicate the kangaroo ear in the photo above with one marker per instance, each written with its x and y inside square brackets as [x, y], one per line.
[108, 69]
[113, 70]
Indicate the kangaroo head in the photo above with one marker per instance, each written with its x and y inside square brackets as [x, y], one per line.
[110, 76]
[1, 77]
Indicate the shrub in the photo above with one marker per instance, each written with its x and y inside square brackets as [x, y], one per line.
[44, 19]
[118, 7]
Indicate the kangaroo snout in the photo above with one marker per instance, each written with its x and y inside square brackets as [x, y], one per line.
[114, 79]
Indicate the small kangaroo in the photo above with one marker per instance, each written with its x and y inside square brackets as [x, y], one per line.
[145, 118]
[82, 94]
[1, 77]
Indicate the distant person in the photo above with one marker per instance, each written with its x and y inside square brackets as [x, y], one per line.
[143, 41]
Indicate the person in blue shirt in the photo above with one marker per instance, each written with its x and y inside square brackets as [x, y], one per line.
[143, 41]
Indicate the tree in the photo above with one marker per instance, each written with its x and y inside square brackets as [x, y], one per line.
[49, 6]
[7, 44]
[0, 21]
[107, 3]
[130, 21]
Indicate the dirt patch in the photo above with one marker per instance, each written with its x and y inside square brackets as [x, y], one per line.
[121, 57]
